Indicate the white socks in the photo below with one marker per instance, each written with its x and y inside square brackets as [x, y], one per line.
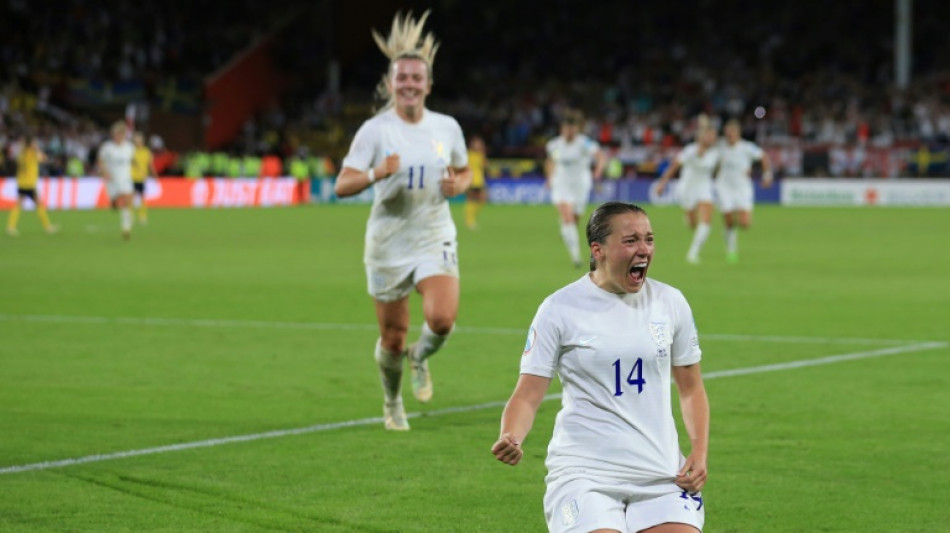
[428, 343]
[732, 240]
[125, 215]
[390, 371]
[699, 238]
[571, 241]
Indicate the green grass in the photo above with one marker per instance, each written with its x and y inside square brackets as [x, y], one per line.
[852, 446]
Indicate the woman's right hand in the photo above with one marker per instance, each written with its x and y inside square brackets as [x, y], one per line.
[507, 450]
[388, 166]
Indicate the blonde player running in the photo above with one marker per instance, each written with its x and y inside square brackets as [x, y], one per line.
[27, 177]
[698, 161]
[734, 190]
[568, 173]
[414, 159]
[616, 339]
[476, 195]
[115, 166]
[143, 166]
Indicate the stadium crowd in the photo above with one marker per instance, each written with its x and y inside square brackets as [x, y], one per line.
[641, 80]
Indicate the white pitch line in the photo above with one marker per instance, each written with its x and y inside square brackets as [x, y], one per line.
[226, 323]
[449, 410]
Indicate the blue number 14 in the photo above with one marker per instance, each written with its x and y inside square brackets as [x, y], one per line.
[631, 380]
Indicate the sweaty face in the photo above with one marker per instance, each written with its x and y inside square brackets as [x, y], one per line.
[409, 81]
[625, 255]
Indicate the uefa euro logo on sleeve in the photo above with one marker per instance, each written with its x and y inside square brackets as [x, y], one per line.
[529, 344]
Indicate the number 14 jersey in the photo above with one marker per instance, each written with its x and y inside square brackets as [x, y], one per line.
[613, 354]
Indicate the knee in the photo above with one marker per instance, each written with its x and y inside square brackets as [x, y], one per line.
[441, 325]
[393, 339]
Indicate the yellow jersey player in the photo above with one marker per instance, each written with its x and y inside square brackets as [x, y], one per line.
[143, 166]
[27, 177]
[476, 195]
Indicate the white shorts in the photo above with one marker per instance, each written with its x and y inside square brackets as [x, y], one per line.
[388, 284]
[732, 199]
[694, 194]
[576, 194]
[580, 505]
[116, 188]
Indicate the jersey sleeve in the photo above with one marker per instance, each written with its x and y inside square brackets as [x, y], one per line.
[549, 149]
[363, 148]
[543, 347]
[685, 154]
[459, 148]
[685, 337]
[754, 151]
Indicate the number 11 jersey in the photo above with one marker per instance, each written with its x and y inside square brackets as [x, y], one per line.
[410, 216]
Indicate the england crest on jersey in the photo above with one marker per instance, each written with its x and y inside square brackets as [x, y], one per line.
[660, 331]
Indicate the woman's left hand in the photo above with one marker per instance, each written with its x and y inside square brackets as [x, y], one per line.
[692, 476]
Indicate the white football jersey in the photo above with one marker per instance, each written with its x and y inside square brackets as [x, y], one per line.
[409, 214]
[735, 162]
[572, 160]
[613, 354]
[117, 158]
[696, 170]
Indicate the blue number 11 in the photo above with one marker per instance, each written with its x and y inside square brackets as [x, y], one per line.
[638, 381]
[422, 171]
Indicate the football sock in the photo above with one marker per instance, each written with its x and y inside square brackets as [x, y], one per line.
[429, 343]
[390, 370]
[14, 216]
[44, 217]
[126, 218]
[699, 238]
[732, 240]
[571, 241]
[471, 212]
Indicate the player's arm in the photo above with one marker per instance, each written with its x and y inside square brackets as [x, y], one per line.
[600, 163]
[518, 417]
[767, 175]
[101, 167]
[352, 181]
[457, 181]
[694, 405]
[548, 171]
[667, 174]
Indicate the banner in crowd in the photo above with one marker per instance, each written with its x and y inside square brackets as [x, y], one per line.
[857, 192]
[531, 190]
[643, 191]
[90, 192]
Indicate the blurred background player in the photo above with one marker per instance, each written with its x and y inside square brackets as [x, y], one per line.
[27, 177]
[114, 161]
[616, 339]
[415, 159]
[695, 191]
[476, 195]
[568, 173]
[143, 166]
[735, 192]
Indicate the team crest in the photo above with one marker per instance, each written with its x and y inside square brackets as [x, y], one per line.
[660, 332]
[439, 148]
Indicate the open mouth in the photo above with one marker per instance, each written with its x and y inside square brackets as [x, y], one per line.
[638, 273]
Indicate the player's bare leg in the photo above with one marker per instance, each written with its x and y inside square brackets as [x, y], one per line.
[440, 303]
[393, 319]
[569, 232]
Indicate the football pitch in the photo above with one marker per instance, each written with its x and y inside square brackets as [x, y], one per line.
[215, 373]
